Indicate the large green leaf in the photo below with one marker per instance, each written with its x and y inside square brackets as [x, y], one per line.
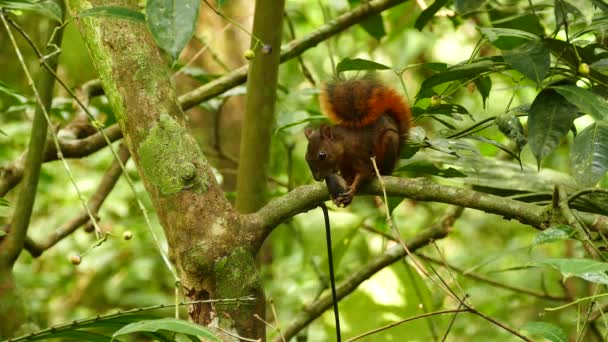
[549, 120]
[348, 64]
[462, 72]
[545, 330]
[113, 12]
[428, 13]
[527, 22]
[467, 6]
[589, 154]
[172, 23]
[532, 59]
[587, 101]
[47, 8]
[588, 269]
[553, 234]
[169, 324]
[373, 25]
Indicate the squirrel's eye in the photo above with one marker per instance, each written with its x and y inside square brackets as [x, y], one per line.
[322, 155]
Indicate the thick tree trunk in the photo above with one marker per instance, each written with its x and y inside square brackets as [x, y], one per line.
[213, 258]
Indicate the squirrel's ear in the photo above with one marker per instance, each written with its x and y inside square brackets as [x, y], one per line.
[308, 132]
[325, 132]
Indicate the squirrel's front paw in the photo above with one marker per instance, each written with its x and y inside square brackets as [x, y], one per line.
[344, 198]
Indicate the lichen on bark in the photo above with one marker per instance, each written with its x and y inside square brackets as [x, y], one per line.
[171, 159]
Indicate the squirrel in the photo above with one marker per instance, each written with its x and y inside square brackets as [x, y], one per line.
[370, 120]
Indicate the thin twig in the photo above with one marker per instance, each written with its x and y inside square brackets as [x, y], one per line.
[349, 284]
[493, 282]
[276, 319]
[109, 180]
[499, 324]
[388, 326]
[48, 119]
[397, 236]
[237, 336]
[585, 192]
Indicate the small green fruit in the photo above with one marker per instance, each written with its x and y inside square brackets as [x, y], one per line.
[75, 259]
[435, 101]
[584, 69]
[249, 54]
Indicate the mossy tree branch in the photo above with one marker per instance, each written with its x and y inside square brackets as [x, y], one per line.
[212, 257]
[307, 197]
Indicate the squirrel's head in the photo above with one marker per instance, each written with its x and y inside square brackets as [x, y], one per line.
[323, 152]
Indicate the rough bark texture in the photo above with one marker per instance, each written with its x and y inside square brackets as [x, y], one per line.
[213, 259]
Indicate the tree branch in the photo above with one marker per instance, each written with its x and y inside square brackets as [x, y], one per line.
[106, 185]
[347, 286]
[12, 244]
[307, 197]
[259, 116]
[291, 50]
[493, 282]
[11, 175]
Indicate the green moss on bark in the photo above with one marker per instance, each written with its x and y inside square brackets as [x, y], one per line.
[171, 159]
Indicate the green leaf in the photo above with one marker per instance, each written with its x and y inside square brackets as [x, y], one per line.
[587, 101]
[4, 202]
[587, 269]
[531, 59]
[428, 13]
[484, 85]
[601, 5]
[546, 330]
[12, 92]
[549, 120]
[553, 234]
[2, 233]
[172, 23]
[600, 66]
[113, 12]
[424, 167]
[466, 6]
[461, 72]
[494, 33]
[561, 10]
[589, 154]
[374, 26]
[47, 8]
[348, 64]
[527, 22]
[170, 324]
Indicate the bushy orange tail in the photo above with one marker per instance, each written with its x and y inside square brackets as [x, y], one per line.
[360, 102]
